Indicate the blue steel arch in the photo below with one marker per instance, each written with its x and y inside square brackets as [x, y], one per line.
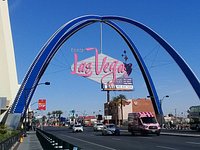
[41, 62]
[192, 78]
[142, 66]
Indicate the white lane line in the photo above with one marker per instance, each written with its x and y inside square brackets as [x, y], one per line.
[165, 147]
[116, 139]
[145, 137]
[197, 143]
[90, 143]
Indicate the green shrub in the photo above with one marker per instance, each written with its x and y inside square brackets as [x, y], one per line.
[3, 129]
[6, 133]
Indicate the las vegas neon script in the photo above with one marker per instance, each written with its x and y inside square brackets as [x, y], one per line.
[109, 68]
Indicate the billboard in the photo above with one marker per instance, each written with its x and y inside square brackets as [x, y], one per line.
[120, 84]
[42, 104]
[111, 73]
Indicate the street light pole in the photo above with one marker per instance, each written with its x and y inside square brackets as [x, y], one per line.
[161, 116]
[25, 127]
[30, 111]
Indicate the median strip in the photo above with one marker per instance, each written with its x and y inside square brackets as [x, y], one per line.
[180, 134]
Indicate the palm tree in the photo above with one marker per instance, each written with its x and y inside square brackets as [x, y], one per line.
[120, 100]
[59, 113]
[54, 115]
[48, 114]
[115, 103]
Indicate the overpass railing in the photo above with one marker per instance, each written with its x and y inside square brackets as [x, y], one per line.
[10, 142]
[51, 142]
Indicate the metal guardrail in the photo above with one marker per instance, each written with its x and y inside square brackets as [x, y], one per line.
[51, 142]
[9, 142]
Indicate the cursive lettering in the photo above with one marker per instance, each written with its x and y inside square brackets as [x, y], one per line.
[108, 68]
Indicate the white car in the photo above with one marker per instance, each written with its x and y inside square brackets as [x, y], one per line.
[77, 128]
[98, 127]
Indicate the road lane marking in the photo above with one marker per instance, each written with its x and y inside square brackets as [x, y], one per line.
[116, 139]
[90, 143]
[145, 137]
[197, 143]
[165, 147]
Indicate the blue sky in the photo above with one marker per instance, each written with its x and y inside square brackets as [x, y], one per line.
[177, 21]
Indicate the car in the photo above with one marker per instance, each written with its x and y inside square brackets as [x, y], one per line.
[77, 128]
[98, 127]
[110, 129]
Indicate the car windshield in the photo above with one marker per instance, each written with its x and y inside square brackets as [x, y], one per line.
[99, 124]
[148, 120]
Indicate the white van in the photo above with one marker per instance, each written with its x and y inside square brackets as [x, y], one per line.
[143, 122]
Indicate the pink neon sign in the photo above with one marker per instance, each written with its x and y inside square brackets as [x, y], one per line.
[104, 69]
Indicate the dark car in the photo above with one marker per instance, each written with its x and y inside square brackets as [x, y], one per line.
[110, 129]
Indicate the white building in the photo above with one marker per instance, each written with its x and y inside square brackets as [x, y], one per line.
[8, 74]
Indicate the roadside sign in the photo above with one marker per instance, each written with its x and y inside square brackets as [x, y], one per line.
[108, 117]
[42, 104]
[120, 84]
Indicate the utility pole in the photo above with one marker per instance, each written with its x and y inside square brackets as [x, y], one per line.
[175, 115]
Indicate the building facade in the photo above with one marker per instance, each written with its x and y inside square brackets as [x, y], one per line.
[132, 105]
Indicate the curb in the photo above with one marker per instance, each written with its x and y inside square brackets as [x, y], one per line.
[15, 146]
[174, 134]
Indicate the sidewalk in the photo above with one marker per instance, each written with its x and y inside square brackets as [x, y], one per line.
[30, 142]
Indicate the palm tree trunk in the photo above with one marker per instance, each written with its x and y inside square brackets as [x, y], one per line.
[116, 116]
[122, 112]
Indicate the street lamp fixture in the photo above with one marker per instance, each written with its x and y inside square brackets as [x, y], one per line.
[47, 83]
[161, 100]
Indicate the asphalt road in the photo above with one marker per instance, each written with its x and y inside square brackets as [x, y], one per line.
[90, 140]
